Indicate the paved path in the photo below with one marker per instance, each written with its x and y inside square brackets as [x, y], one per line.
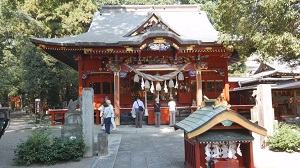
[130, 147]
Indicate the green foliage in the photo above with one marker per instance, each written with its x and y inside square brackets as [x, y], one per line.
[209, 7]
[28, 152]
[40, 147]
[237, 69]
[265, 27]
[285, 138]
[26, 70]
[136, 2]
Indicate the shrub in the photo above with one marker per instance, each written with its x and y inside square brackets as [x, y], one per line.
[28, 151]
[285, 138]
[41, 147]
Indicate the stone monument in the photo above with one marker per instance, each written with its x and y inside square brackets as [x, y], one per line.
[73, 120]
[263, 112]
[88, 120]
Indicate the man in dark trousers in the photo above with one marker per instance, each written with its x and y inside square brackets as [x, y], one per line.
[139, 108]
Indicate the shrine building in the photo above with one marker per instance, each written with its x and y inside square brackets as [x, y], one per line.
[150, 51]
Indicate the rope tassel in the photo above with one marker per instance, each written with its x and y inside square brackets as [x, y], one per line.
[152, 87]
[136, 78]
[171, 83]
[158, 86]
[143, 84]
[165, 88]
[176, 83]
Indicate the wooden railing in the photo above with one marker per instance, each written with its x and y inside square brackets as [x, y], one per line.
[58, 116]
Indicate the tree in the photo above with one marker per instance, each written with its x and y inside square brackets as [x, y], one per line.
[25, 70]
[269, 28]
[136, 2]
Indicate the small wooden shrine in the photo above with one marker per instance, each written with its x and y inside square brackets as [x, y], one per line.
[216, 136]
[150, 51]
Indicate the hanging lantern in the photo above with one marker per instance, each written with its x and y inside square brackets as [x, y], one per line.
[143, 84]
[165, 88]
[171, 83]
[147, 84]
[152, 87]
[136, 78]
[158, 86]
[180, 76]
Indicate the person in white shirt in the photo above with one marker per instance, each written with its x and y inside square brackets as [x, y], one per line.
[139, 112]
[112, 115]
[107, 114]
[101, 109]
[172, 111]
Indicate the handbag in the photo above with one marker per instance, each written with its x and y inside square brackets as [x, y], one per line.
[133, 114]
[140, 107]
[146, 112]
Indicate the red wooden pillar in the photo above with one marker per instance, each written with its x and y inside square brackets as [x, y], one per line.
[226, 87]
[251, 160]
[80, 66]
[117, 97]
[198, 155]
[199, 88]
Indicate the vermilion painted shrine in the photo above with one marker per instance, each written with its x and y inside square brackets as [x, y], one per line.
[164, 51]
[155, 42]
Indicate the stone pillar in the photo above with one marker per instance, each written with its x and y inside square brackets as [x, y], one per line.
[266, 115]
[102, 144]
[263, 111]
[88, 120]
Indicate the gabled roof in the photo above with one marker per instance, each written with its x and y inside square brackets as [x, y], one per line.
[111, 25]
[153, 19]
[271, 72]
[205, 118]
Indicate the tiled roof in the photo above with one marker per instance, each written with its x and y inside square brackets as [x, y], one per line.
[205, 118]
[199, 118]
[110, 28]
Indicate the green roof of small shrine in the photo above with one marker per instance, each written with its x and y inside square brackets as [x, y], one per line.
[206, 117]
[199, 118]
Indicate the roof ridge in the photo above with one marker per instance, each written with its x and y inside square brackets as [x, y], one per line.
[147, 8]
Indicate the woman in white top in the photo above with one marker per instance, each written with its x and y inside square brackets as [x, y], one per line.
[107, 113]
[172, 111]
[110, 106]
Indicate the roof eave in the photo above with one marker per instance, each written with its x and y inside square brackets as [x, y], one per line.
[223, 116]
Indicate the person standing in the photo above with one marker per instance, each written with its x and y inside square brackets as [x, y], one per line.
[101, 109]
[139, 107]
[111, 107]
[107, 114]
[172, 111]
[157, 112]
